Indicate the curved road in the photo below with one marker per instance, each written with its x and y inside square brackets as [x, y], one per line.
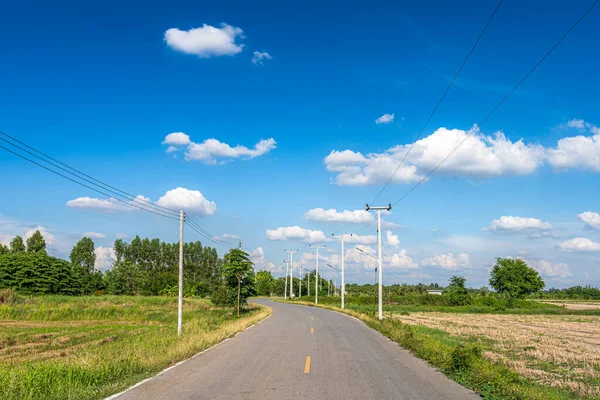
[348, 360]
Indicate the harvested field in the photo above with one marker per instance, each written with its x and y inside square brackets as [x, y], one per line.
[555, 350]
[588, 305]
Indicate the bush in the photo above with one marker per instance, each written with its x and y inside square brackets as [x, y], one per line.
[222, 296]
[7, 296]
[464, 356]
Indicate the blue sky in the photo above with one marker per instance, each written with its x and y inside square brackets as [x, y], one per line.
[100, 87]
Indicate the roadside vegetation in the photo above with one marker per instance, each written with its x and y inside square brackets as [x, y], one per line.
[69, 331]
[506, 343]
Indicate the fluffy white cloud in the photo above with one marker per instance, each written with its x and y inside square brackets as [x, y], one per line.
[5, 238]
[332, 215]
[104, 257]
[192, 201]
[399, 260]
[579, 245]
[391, 239]
[260, 56]
[295, 233]
[448, 261]
[479, 156]
[211, 149]
[207, 41]
[358, 239]
[546, 268]
[517, 224]
[177, 139]
[579, 151]
[94, 235]
[590, 219]
[385, 119]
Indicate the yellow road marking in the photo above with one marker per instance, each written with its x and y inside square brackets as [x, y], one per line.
[307, 365]
[312, 330]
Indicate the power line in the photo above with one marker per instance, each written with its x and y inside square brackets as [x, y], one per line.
[86, 186]
[206, 233]
[80, 175]
[440, 101]
[206, 236]
[474, 129]
[431, 114]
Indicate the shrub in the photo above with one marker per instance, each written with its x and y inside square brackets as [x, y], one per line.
[222, 296]
[7, 296]
[464, 356]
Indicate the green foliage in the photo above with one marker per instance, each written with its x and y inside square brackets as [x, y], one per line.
[265, 283]
[464, 356]
[36, 243]
[238, 273]
[573, 293]
[223, 296]
[83, 259]
[514, 278]
[37, 273]
[17, 245]
[3, 249]
[456, 294]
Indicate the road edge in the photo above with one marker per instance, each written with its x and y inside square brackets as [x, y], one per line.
[140, 383]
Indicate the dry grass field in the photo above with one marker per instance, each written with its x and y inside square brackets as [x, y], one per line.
[556, 350]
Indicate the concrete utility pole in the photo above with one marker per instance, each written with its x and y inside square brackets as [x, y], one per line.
[317, 285]
[286, 276]
[291, 271]
[343, 281]
[180, 300]
[308, 280]
[389, 207]
[300, 282]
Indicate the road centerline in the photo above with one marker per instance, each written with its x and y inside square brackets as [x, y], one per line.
[307, 365]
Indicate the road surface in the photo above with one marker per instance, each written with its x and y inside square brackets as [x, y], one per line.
[303, 353]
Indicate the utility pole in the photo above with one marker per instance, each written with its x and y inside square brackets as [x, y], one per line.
[180, 300]
[286, 276]
[308, 280]
[291, 271]
[387, 208]
[300, 282]
[317, 285]
[343, 281]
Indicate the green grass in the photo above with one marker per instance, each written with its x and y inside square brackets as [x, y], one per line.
[59, 347]
[459, 358]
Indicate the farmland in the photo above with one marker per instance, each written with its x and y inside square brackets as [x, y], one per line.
[63, 347]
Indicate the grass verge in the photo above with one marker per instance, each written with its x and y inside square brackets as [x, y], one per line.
[59, 347]
[459, 358]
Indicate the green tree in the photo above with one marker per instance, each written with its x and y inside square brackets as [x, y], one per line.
[83, 259]
[514, 278]
[3, 249]
[36, 243]
[265, 283]
[239, 275]
[17, 245]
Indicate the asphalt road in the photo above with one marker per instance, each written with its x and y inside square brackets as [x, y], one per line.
[303, 353]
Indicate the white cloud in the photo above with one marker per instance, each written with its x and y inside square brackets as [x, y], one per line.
[94, 235]
[546, 268]
[399, 260]
[104, 258]
[260, 56]
[192, 201]
[579, 245]
[391, 239]
[171, 149]
[177, 139]
[479, 157]
[385, 119]
[230, 236]
[543, 234]
[211, 149]
[579, 151]
[390, 225]
[590, 219]
[295, 233]
[207, 41]
[517, 224]
[448, 261]
[121, 235]
[332, 215]
[5, 238]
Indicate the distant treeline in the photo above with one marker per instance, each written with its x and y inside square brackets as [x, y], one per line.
[144, 266]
